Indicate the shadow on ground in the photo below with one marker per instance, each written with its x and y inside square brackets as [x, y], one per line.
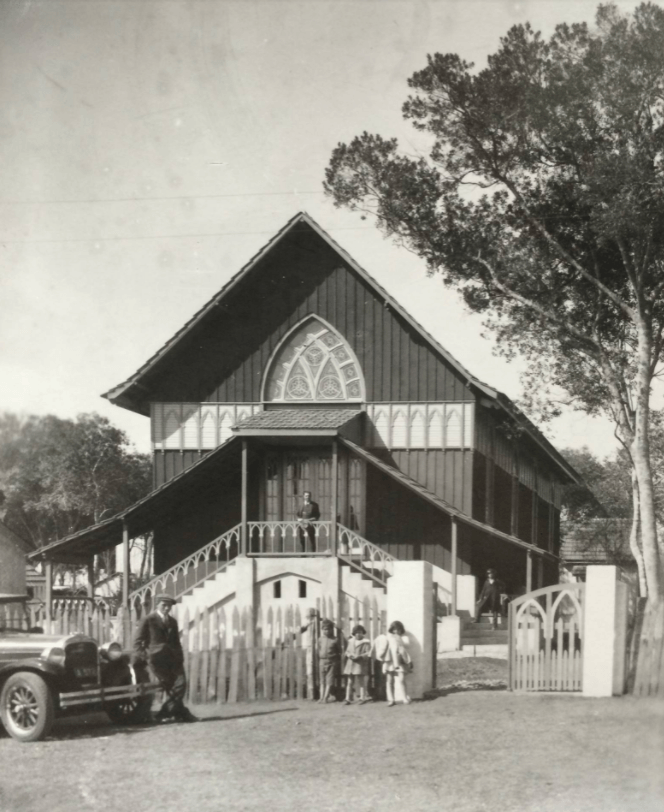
[97, 726]
[463, 687]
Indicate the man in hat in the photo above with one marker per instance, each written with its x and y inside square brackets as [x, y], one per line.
[490, 597]
[158, 642]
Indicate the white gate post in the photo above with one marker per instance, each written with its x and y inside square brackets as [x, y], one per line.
[410, 600]
[604, 632]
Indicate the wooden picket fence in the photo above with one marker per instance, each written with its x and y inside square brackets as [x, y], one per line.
[238, 656]
[649, 676]
[68, 615]
[232, 655]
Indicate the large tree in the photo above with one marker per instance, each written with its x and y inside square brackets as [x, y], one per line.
[59, 476]
[541, 198]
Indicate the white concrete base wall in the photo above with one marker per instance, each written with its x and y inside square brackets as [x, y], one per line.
[465, 589]
[448, 634]
[409, 599]
[605, 625]
[250, 583]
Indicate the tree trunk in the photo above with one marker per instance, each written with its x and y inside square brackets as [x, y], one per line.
[634, 538]
[640, 453]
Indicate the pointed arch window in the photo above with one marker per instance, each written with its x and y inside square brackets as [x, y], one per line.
[314, 364]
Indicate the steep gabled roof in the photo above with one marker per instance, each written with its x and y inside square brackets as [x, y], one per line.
[119, 393]
[127, 394]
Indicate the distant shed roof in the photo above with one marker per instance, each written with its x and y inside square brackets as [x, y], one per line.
[596, 541]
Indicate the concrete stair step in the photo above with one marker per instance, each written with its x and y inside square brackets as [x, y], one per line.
[499, 652]
[483, 641]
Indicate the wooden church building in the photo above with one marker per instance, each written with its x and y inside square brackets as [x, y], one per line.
[303, 374]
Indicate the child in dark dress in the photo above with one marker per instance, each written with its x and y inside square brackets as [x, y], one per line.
[329, 656]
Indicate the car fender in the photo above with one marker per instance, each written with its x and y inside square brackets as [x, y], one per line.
[34, 664]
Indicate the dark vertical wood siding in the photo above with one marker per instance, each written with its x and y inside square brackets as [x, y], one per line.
[407, 526]
[447, 473]
[479, 487]
[214, 510]
[226, 357]
[168, 464]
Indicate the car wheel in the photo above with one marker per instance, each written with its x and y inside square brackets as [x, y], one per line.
[130, 711]
[27, 710]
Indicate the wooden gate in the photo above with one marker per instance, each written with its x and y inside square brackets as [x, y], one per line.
[546, 639]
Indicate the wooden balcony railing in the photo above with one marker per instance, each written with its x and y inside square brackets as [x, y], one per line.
[191, 571]
[289, 538]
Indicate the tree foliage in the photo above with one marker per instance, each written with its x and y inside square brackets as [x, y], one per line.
[541, 199]
[59, 476]
[607, 492]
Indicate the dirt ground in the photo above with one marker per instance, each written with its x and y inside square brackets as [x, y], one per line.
[464, 750]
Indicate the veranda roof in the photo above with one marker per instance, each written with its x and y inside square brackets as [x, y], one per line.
[440, 503]
[139, 517]
[210, 472]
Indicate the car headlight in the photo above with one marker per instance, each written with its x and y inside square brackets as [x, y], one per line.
[111, 651]
[56, 656]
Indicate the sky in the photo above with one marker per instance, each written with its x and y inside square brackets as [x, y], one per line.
[149, 148]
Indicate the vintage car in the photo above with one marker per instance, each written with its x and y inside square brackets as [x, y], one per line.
[46, 676]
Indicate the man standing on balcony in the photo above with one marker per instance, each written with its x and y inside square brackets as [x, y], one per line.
[309, 512]
[157, 642]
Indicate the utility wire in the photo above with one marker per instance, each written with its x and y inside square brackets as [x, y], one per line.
[163, 236]
[143, 199]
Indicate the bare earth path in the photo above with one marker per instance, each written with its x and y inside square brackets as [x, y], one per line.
[464, 751]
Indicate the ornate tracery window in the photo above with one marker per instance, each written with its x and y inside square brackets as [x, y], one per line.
[314, 364]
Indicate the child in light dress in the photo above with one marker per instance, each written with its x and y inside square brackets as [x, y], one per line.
[392, 651]
[356, 669]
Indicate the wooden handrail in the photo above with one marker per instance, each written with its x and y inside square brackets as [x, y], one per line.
[208, 556]
[372, 559]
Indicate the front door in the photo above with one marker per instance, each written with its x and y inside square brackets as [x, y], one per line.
[289, 474]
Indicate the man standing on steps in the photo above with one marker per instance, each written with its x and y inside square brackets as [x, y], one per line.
[309, 512]
[157, 642]
[490, 597]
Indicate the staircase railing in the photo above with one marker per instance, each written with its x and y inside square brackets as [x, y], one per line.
[289, 538]
[191, 571]
[363, 554]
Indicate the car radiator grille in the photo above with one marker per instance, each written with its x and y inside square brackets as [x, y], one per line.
[81, 662]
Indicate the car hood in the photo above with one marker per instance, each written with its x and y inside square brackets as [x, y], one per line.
[22, 646]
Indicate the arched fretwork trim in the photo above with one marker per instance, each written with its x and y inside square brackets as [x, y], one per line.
[313, 364]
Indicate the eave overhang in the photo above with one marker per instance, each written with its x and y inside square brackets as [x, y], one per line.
[441, 504]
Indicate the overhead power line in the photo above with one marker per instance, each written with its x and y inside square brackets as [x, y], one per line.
[163, 236]
[143, 199]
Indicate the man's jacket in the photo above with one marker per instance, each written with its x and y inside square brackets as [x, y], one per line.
[159, 639]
